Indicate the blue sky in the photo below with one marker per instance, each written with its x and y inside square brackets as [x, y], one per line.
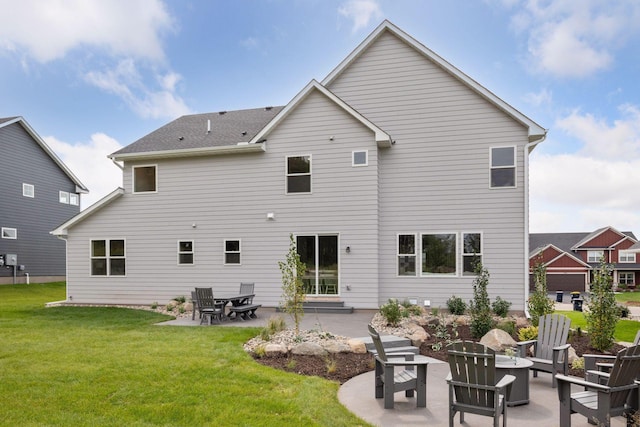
[91, 76]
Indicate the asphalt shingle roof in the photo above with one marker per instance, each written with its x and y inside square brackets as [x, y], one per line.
[189, 132]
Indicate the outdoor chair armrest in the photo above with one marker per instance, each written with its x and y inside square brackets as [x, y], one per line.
[397, 361]
[505, 381]
[524, 345]
[562, 347]
[580, 382]
[596, 374]
[590, 360]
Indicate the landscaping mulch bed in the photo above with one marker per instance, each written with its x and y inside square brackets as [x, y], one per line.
[344, 366]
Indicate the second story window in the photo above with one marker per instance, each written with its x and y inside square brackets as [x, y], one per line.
[28, 190]
[144, 179]
[359, 158]
[9, 233]
[64, 197]
[626, 256]
[299, 174]
[503, 167]
[594, 256]
[74, 199]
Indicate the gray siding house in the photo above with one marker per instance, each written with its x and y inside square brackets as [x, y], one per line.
[38, 192]
[393, 173]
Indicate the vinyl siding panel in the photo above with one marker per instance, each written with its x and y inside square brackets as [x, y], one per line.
[34, 217]
[228, 197]
[436, 177]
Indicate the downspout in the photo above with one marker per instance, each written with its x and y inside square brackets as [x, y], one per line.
[527, 149]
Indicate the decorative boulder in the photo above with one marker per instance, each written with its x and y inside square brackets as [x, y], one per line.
[337, 347]
[572, 356]
[498, 340]
[308, 349]
[271, 350]
[357, 346]
[417, 335]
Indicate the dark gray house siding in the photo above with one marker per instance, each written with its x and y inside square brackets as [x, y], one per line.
[26, 161]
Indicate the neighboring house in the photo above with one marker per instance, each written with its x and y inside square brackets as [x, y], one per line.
[570, 258]
[38, 193]
[394, 174]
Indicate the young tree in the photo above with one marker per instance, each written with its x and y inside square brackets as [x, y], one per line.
[539, 303]
[480, 306]
[293, 294]
[602, 312]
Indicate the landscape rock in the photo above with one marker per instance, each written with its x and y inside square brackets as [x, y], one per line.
[336, 347]
[498, 340]
[271, 350]
[357, 346]
[573, 356]
[308, 349]
[417, 335]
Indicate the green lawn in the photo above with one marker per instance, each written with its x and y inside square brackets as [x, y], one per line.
[103, 366]
[625, 329]
[622, 297]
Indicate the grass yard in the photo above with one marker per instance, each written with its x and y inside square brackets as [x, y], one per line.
[89, 366]
[625, 329]
[632, 297]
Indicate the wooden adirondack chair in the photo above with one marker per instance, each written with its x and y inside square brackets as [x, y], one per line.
[472, 383]
[247, 288]
[550, 350]
[601, 362]
[208, 307]
[601, 400]
[388, 382]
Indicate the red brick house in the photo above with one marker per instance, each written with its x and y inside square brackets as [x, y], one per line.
[570, 258]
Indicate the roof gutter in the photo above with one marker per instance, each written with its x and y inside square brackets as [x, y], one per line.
[528, 149]
[190, 152]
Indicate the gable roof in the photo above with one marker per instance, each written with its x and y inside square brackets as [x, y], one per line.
[382, 138]
[569, 242]
[598, 232]
[62, 230]
[561, 254]
[536, 132]
[7, 121]
[198, 134]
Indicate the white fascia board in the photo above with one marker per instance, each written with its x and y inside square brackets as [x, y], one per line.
[191, 152]
[536, 132]
[80, 187]
[63, 229]
[382, 138]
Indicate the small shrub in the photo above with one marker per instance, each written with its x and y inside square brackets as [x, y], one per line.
[169, 307]
[260, 351]
[291, 364]
[331, 365]
[274, 325]
[181, 309]
[528, 333]
[456, 305]
[501, 307]
[434, 311]
[509, 326]
[392, 312]
[480, 306]
[578, 363]
[154, 305]
[180, 299]
[624, 310]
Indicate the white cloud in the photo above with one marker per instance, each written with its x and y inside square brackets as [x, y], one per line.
[544, 97]
[360, 12]
[88, 161]
[595, 186]
[127, 82]
[576, 38]
[48, 30]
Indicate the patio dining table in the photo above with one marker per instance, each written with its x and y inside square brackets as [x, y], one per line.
[235, 300]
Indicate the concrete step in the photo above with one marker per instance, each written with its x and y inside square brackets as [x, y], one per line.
[311, 307]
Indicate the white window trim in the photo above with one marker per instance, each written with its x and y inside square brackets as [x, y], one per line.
[463, 253]
[11, 233]
[515, 166]
[415, 253]
[74, 199]
[599, 252]
[630, 257]
[108, 257]
[626, 273]
[287, 175]
[225, 252]
[353, 158]
[457, 255]
[28, 190]
[63, 197]
[133, 179]
[192, 252]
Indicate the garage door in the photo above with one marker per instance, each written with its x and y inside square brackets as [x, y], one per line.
[566, 282]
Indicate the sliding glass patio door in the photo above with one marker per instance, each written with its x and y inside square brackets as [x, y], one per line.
[320, 255]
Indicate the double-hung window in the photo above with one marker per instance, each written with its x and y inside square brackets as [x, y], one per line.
[28, 190]
[407, 254]
[594, 256]
[503, 167]
[439, 254]
[298, 174]
[232, 251]
[626, 278]
[108, 257]
[185, 252]
[626, 256]
[471, 252]
[144, 179]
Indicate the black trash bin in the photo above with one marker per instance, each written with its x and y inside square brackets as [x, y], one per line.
[559, 296]
[577, 304]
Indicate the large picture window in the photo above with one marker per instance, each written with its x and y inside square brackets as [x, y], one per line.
[299, 174]
[185, 252]
[503, 167]
[108, 257]
[626, 278]
[471, 252]
[439, 254]
[144, 179]
[407, 249]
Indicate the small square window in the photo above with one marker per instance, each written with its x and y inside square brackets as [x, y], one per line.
[360, 158]
[232, 251]
[64, 197]
[74, 199]
[144, 179]
[28, 190]
[185, 252]
[9, 233]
